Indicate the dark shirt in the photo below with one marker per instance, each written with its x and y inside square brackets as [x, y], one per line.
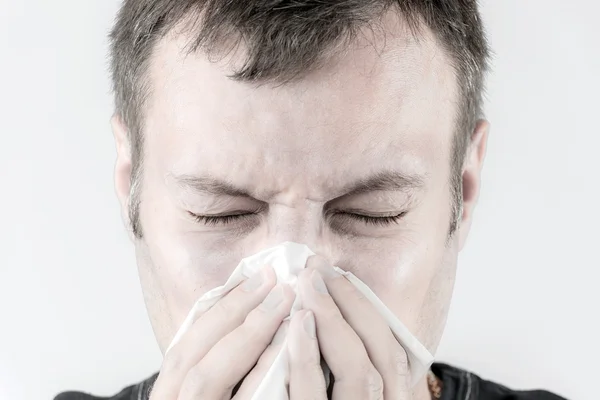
[457, 385]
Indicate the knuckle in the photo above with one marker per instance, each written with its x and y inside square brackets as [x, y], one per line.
[400, 362]
[172, 363]
[315, 377]
[258, 315]
[197, 383]
[398, 373]
[223, 307]
[264, 312]
[253, 333]
[261, 311]
[374, 384]
[331, 314]
[360, 296]
[227, 310]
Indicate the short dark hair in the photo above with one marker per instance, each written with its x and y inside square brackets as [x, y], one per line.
[285, 39]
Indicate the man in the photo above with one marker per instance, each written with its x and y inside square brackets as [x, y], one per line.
[354, 127]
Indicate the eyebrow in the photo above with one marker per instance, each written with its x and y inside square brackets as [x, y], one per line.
[382, 181]
[210, 186]
[385, 181]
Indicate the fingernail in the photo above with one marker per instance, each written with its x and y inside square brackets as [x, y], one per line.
[318, 282]
[309, 325]
[254, 282]
[274, 298]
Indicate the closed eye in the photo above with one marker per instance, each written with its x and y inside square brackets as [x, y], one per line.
[219, 220]
[232, 218]
[373, 220]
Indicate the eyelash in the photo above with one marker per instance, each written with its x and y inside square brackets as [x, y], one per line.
[228, 219]
[221, 219]
[377, 221]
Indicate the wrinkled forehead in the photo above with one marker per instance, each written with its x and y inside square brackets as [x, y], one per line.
[386, 95]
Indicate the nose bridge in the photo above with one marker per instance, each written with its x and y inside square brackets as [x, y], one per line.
[301, 224]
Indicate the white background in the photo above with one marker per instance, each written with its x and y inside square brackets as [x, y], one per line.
[525, 310]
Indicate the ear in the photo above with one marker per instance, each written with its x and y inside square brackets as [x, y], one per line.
[123, 168]
[471, 176]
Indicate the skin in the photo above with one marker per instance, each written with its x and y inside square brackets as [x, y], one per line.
[296, 150]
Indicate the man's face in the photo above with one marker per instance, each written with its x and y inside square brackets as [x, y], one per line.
[352, 160]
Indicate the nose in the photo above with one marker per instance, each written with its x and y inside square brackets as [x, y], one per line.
[303, 223]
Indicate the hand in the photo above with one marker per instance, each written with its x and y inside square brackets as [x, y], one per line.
[226, 342]
[365, 358]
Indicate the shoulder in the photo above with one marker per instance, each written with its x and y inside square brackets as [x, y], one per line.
[461, 384]
[138, 391]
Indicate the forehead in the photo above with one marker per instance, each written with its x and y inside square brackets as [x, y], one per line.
[386, 102]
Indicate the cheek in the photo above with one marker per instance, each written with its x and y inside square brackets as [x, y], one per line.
[397, 270]
[187, 265]
[413, 278]
[180, 265]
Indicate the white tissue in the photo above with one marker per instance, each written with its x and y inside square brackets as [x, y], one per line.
[288, 259]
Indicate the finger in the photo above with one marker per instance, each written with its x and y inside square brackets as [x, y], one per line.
[307, 381]
[343, 350]
[225, 316]
[386, 354]
[255, 377]
[234, 355]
